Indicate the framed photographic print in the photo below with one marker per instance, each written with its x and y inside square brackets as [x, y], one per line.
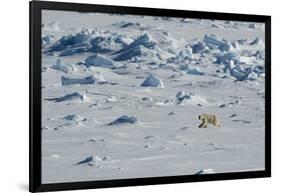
[125, 96]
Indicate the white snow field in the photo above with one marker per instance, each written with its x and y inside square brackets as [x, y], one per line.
[121, 96]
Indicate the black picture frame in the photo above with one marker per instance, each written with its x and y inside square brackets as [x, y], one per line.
[35, 184]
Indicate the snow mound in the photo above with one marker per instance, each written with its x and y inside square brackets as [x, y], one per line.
[187, 20]
[190, 99]
[205, 171]
[110, 99]
[124, 119]
[194, 71]
[66, 68]
[74, 117]
[74, 97]
[126, 24]
[52, 26]
[99, 60]
[153, 81]
[87, 80]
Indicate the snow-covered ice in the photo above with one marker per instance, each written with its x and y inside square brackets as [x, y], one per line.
[121, 96]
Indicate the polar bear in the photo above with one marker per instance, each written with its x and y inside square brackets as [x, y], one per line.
[208, 118]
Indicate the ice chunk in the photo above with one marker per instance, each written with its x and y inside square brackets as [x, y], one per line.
[124, 119]
[194, 71]
[93, 160]
[182, 95]
[153, 81]
[226, 47]
[74, 117]
[257, 41]
[93, 79]
[199, 47]
[86, 80]
[64, 67]
[225, 58]
[99, 60]
[213, 41]
[76, 96]
[205, 171]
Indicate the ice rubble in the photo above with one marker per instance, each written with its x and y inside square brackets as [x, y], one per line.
[99, 60]
[241, 74]
[182, 57]
[124, 119]
[80, 40]
[97, 41]
[64, 67]
[153, 81]
[75, 97]
[87, 80]
[147, 48]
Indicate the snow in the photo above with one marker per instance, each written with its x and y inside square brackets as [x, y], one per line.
[121, 96]
[153, 81]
